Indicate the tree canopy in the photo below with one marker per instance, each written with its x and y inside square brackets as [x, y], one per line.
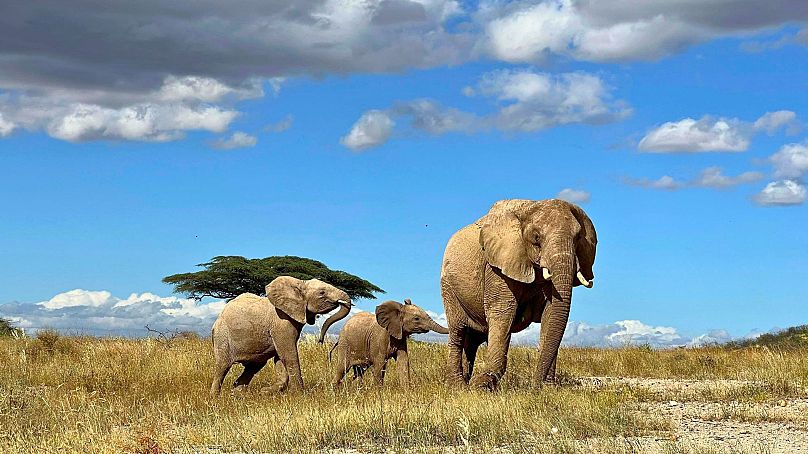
[226, 277]
[8, 329]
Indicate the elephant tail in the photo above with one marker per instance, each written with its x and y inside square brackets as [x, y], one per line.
[332, 350]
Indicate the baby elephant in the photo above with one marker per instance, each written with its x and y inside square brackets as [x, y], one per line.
[369, 341]
[253, 330]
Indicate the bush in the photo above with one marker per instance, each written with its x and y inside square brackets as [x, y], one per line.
[49, 342]
[7, 329]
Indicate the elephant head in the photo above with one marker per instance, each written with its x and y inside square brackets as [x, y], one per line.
[553, 238]
[302, 300]
[401, 320]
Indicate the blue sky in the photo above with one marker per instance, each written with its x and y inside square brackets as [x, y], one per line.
[662, 137]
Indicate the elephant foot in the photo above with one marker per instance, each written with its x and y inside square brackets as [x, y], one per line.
[486, 381]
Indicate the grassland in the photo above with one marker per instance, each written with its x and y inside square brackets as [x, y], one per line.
[73, 394]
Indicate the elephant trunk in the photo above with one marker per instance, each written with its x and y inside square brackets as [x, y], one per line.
[437, 328]
[556, 313]
[344, 310]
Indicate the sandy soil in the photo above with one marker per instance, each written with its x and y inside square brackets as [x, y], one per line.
[699, 423]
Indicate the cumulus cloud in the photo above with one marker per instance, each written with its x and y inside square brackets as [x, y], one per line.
[666, 182]
[238, 139]
[711, 177]
[791, 161]
[782, 193]
[573, 195]
[101, 313]
[622, 30]
[524, 101]
[622, 333]
[790, 164]
[372, 129]
[281, 125]
[714, 134]
[6, 126]
[706, 134]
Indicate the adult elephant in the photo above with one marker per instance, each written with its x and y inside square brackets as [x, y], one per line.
[253, 330]
[514, 266]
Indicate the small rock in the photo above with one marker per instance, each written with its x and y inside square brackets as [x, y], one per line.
[554, 430]
[673, 403]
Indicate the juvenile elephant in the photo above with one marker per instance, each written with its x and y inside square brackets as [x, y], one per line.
[252, 329]
[368, 341]
[515, 266]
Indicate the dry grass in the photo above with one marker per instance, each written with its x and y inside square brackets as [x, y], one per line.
[62, 394]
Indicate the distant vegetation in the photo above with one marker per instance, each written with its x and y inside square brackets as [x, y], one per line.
[8, 329]
[226, 277]
[794, 337]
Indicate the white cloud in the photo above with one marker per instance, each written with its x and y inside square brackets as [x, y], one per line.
[535, 101]
[620, 334]
[771, 122]
[791, 161]
[207, 89]
[573, 195]
[526, 101]
[618, 30]
[238, 139]
[6, 126]
[782, 193]
[689, 135]
[372, 129]
[666, 182]
[101, 313]
[712, 177]
[281, 125]
[714, 134]
[77, 298]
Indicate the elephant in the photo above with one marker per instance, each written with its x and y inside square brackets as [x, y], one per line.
[252, 330]
[368, 341]
[512, 267]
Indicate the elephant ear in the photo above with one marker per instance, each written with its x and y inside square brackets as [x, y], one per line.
[388, 315]
[286, 294]
[586, 242]
[503, 245]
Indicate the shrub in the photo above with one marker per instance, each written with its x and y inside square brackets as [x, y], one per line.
[8, 329]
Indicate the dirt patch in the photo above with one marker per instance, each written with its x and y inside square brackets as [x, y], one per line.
[772, 426]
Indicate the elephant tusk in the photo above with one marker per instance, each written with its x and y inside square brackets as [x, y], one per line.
[584, 282]
[546, 274]
[344, 303]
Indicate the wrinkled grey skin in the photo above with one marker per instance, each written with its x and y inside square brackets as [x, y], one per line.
[369, 341]
[515, 266]
[252, 330]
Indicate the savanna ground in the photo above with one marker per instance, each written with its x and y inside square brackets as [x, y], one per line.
[80, 394]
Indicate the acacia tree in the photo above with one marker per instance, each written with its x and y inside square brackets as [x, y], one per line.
[226, 277]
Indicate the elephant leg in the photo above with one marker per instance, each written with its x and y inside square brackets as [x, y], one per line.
[473, 341]
[286, 347]
[250, 369]
[340, 367]
[221, 369]
[457, 337]
[281, 376]
[403, 365]
[500, 310]
[545, 329]
[378, 372]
